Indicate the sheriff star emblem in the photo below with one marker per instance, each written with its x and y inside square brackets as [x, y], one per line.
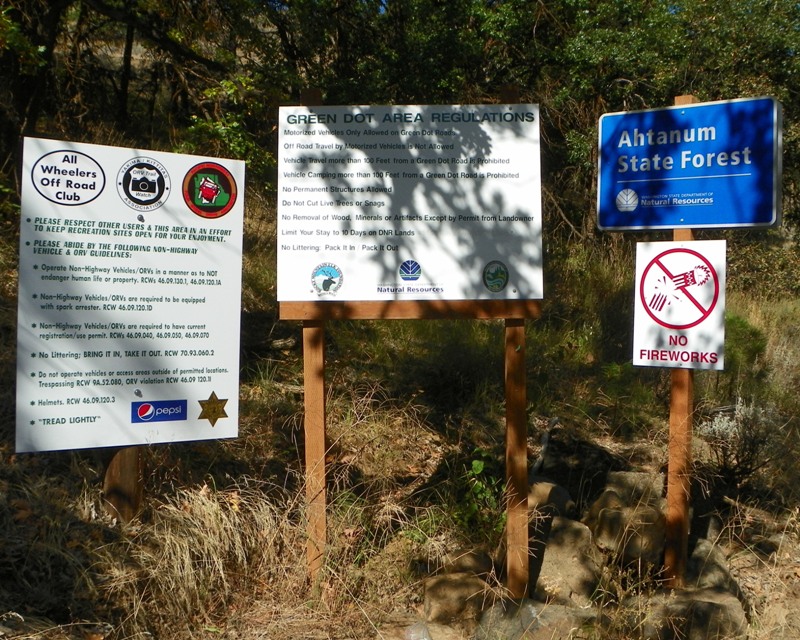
[213, 409]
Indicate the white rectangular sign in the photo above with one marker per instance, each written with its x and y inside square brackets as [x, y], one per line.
[679, 318]
[129, 297]
[409, 203]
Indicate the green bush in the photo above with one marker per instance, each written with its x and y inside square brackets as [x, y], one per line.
[745, 372]
[743, 440]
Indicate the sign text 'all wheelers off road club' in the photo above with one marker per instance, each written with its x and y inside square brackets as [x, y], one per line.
[129, 297]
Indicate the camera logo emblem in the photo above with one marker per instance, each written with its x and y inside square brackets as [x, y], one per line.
[143, 184]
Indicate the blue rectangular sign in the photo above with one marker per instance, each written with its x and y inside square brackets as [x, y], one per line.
[159, 411]
[707, 165]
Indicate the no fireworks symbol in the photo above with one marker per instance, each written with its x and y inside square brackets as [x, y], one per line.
[679, 288]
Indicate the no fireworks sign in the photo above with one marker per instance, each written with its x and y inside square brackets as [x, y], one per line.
[680, 305]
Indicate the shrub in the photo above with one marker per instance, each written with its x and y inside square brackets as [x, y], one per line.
[743, 440]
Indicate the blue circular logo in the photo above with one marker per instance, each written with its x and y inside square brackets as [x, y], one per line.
[326, 279]
[495, 276]
[410, 270]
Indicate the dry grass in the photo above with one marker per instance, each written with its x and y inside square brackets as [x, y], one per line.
[777, 319]
[202, 555]
[763, 552]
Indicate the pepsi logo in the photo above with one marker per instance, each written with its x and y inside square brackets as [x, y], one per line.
[146, 411]
[159, 411]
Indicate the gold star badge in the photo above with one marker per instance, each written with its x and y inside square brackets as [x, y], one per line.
[213, 409]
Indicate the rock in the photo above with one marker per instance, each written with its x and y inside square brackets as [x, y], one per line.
[409, 627]
[634, 533]
[558, 622]
[706, 614]
[609, 499]
[707, 568]
[578, 464]
[636, 487]
[508, 620]
[417, 631]
[475, 562]
[570, 571]
[454, 596]
[550, 498]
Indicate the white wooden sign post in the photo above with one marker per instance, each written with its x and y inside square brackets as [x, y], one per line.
[411, 211]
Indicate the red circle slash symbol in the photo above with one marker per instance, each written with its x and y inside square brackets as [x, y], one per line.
[679, 288]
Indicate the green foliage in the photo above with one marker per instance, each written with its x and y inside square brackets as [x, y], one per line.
[480, 503]
[455, 368]
[745, 366]
[13, 40]
[765, 264]
[628, 399]
[744, 439]
[225, 131]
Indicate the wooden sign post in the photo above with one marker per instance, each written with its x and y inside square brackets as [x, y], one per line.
[679, 465]
[123, 484]
[676, 544]
[346, 242]
[314, 381]
[514, 312]
[517, 560]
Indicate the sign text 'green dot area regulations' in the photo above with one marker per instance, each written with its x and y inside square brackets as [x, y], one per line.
[392, 203]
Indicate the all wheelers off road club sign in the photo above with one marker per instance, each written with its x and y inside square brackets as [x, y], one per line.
[129, 297]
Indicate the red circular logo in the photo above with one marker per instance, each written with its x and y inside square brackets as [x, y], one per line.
[209, 190]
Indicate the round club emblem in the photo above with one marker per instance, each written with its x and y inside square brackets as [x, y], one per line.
[326, 279]
[209, 190]
[143, 184]
[68, 177]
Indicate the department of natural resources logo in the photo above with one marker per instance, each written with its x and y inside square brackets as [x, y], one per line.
[326, 279]
[209, 190]
[143, 184]
[627, 200]
[410, 271]
[495, 276]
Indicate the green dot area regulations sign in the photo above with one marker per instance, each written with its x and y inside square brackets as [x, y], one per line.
[409, 202]
[708, 165]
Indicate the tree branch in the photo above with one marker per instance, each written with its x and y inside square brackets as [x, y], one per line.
[148, 26]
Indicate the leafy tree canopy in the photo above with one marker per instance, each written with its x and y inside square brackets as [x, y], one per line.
[212, 72]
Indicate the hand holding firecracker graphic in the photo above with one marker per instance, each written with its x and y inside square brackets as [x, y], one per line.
[679, 288]
[699, 276]
[665, 288]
